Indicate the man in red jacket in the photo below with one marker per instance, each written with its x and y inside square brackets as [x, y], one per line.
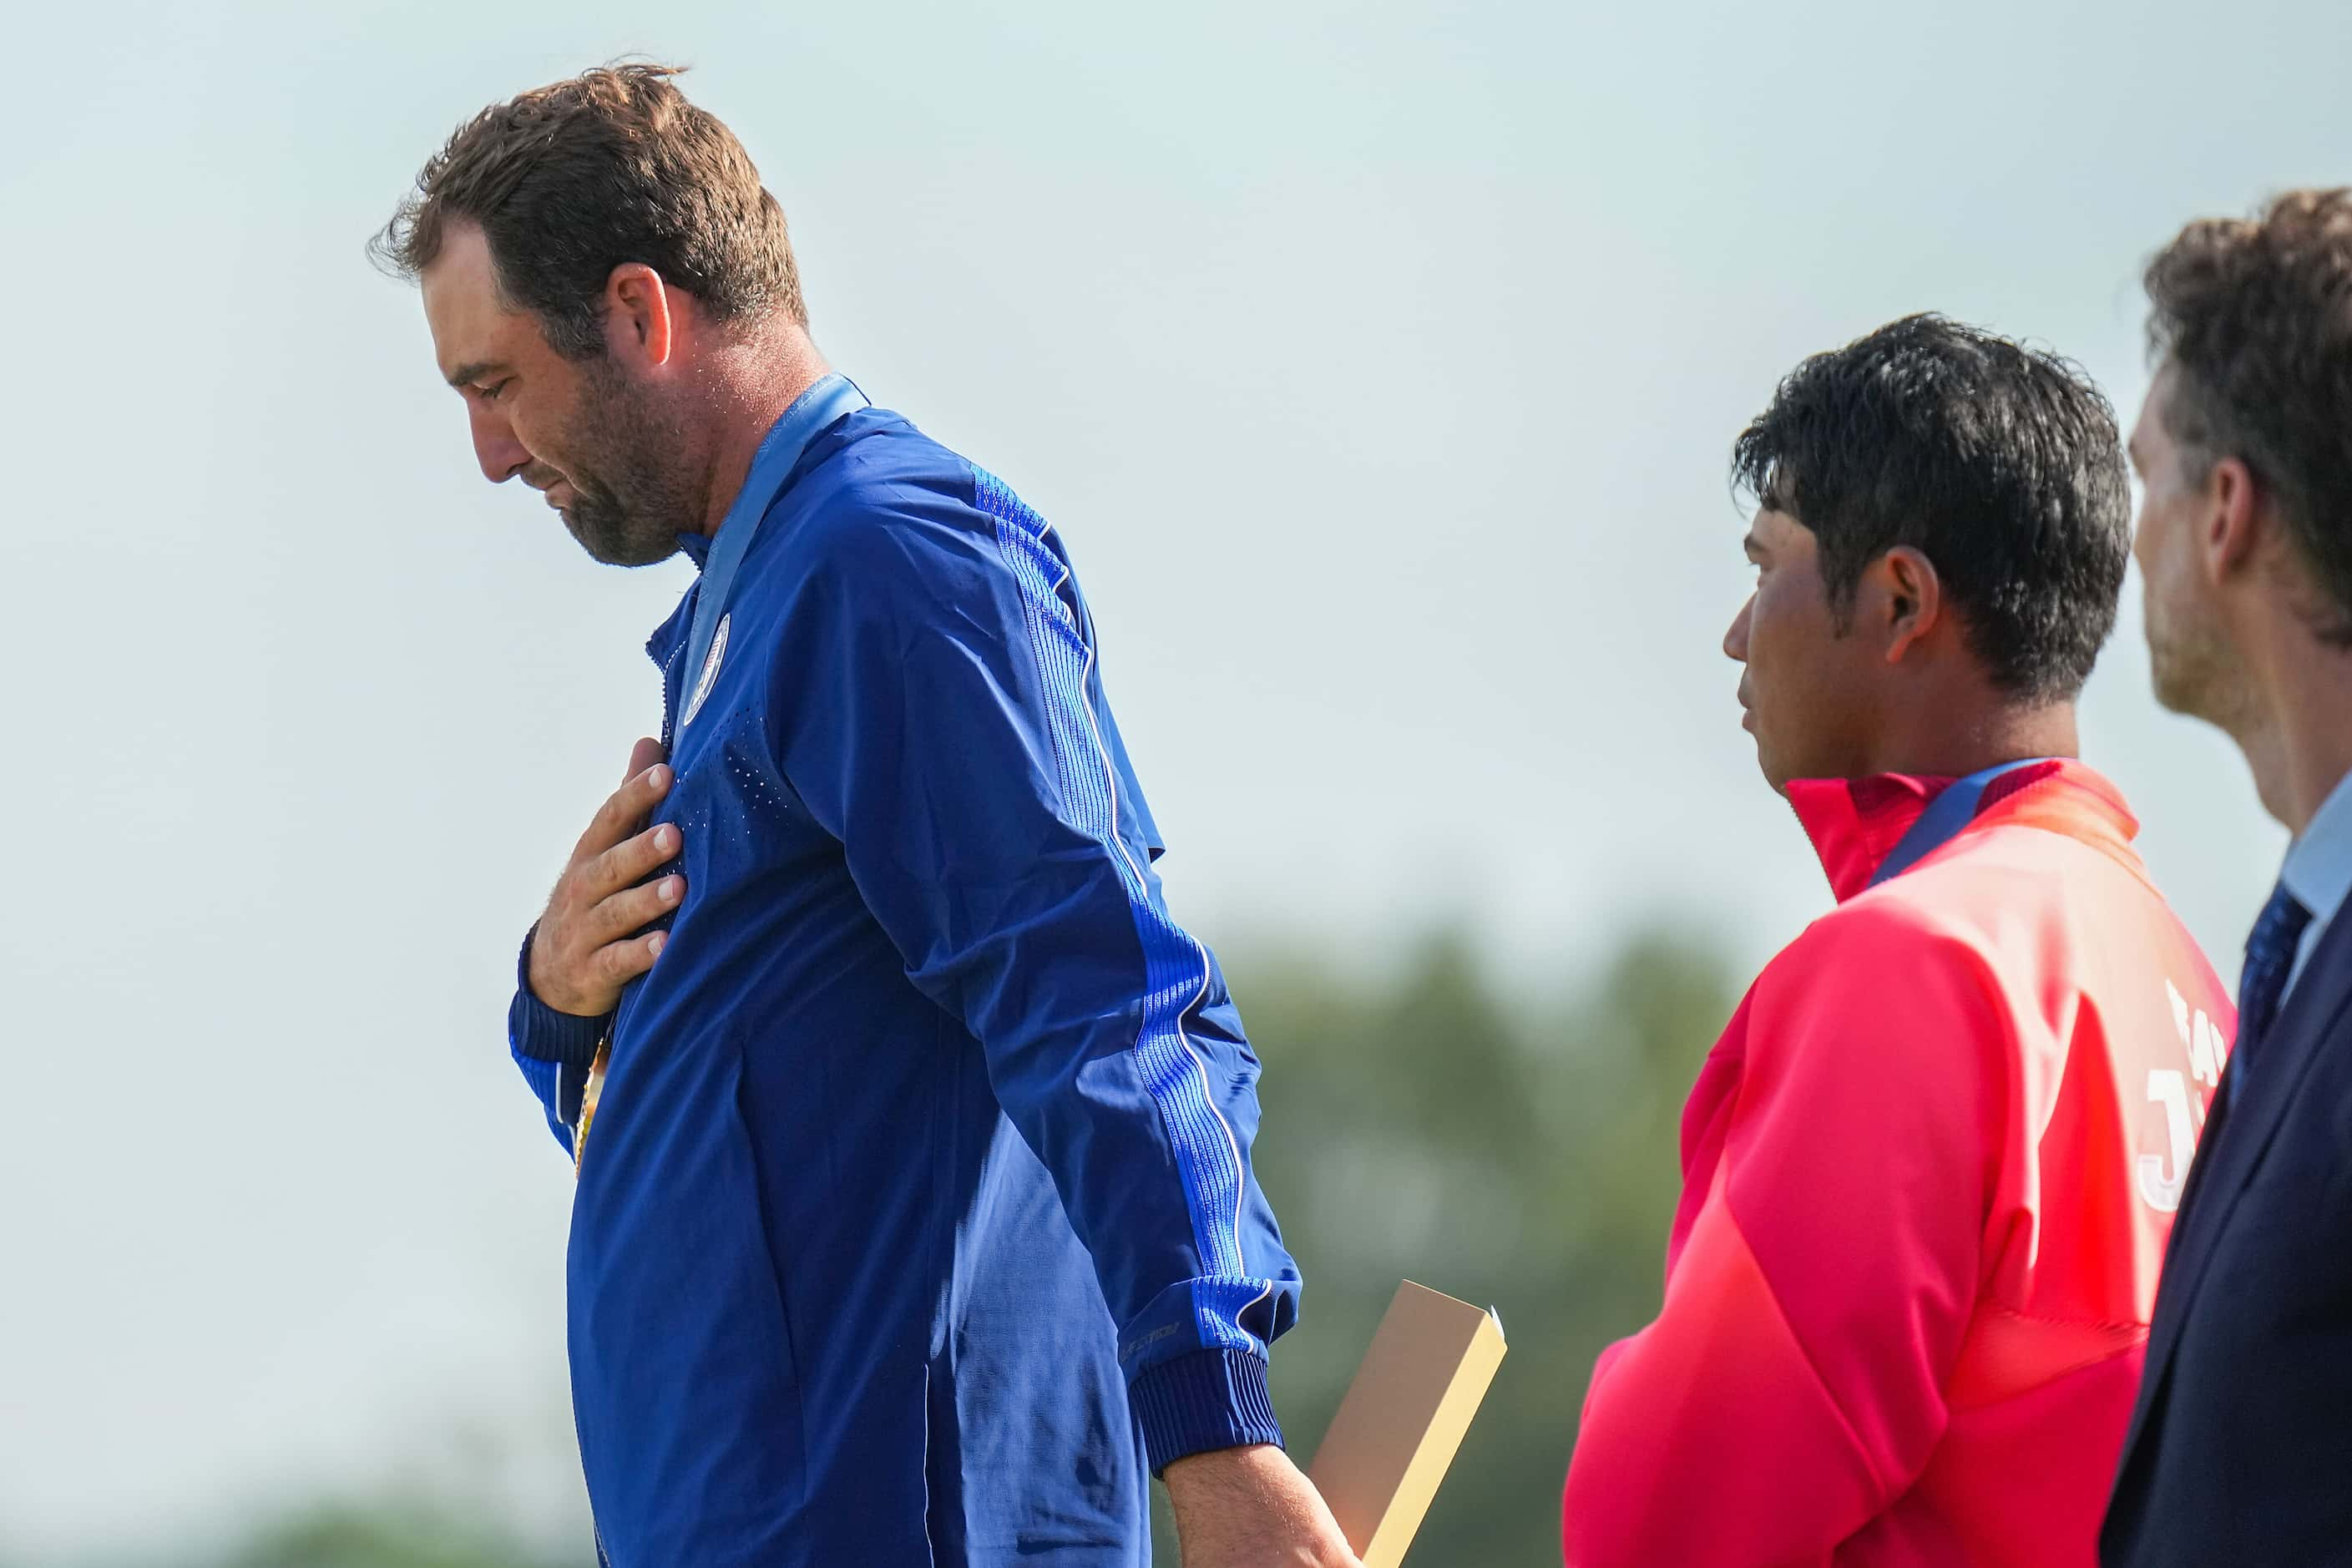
[1930, 1166]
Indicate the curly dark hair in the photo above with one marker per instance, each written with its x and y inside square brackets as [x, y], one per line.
[1999, 463]
[571, 180]
[2256, 315]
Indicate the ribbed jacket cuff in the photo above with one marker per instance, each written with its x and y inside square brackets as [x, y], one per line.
[1209, 1399]
[539, 1031]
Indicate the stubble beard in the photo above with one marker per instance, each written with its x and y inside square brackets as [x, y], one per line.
[634, 490]
[2194, 673]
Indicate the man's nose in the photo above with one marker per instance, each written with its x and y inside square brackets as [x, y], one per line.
[1734, 641]
[495, 447]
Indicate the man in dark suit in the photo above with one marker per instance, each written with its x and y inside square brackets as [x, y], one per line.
[2240, 1450]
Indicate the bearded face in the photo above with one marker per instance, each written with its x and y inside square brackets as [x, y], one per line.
[616, 470]
[613, 452]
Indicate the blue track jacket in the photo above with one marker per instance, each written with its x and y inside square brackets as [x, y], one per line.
[917, 1213]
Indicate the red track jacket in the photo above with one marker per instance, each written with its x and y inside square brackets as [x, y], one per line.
[1928, 1172]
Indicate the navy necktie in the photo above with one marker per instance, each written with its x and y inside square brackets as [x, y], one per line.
[2269, 959]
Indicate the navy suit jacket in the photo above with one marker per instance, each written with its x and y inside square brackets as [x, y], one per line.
[2240, 1449]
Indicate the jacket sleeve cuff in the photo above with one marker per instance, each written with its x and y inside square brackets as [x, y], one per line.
[1206, 1400]
[539, 1031]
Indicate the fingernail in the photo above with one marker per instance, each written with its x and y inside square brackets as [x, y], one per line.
[669, 889]
[664, 839]
[658, 776]
[660, 939]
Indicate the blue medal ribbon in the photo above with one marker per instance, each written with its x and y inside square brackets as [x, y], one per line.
[1944, 817]
[780, 452]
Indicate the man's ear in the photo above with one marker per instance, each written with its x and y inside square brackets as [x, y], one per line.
[640, 324]
[1911, 595]
[2227, 531]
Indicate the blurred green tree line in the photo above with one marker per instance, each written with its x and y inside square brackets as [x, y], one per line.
[1421, 1123]
[1520, 1155]
[420, 1532]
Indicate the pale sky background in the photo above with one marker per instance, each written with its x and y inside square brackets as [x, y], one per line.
[1377, 361]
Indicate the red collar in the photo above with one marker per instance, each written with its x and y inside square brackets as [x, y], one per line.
[1854, 824]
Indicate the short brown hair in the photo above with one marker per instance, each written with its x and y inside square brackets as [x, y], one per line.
[571, 180]
[2256, 315]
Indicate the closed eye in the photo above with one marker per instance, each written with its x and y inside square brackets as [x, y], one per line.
[491, 393]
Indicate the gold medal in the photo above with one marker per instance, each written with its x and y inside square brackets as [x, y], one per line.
[588, 1098]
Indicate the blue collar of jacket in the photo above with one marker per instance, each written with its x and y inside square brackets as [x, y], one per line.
[774, 464]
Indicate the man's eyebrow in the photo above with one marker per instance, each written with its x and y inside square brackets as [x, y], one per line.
[475, 369]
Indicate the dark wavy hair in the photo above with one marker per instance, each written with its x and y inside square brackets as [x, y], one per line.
[2256, 316]
[2000, 464]
[571, 180]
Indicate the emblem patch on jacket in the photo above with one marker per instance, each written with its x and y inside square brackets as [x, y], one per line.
[709, 675]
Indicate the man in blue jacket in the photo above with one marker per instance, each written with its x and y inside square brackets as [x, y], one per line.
[915, 1213]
